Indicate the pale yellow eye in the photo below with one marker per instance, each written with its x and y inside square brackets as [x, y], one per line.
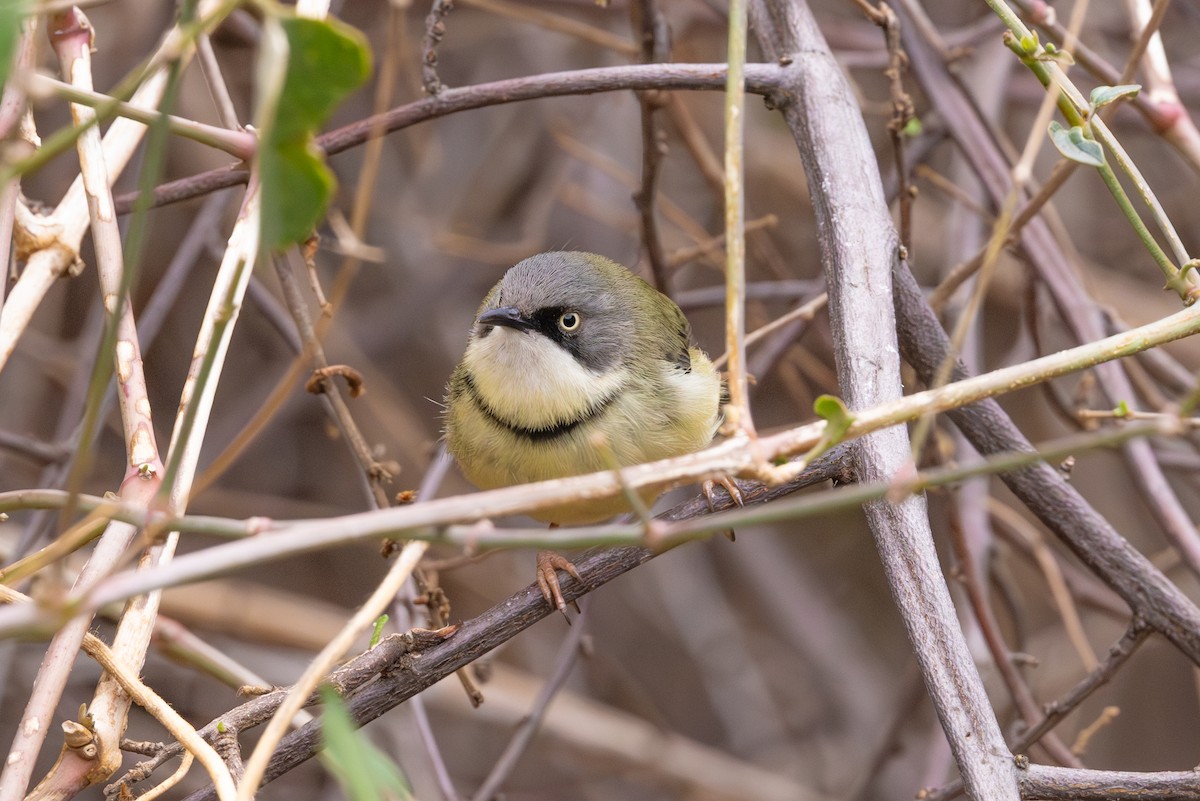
[569, 321]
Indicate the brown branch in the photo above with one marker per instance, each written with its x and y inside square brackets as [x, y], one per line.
[1079, 784]
[1043, 489]
[405, 675]
[975, 582]
[1080, 314]
[435, 30]
[655, 38]
[858, 245]
[1057, 710]
[760, 79]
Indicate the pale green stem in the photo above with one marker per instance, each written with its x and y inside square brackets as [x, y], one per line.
[738, 411]
[236, 143]
[1077, 111]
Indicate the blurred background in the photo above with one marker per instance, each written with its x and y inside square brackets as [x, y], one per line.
[767, 668]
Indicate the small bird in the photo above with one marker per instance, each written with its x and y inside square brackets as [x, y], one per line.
[575, 365]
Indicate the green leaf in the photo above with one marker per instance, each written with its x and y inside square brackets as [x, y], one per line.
[325, 61]
[913, 127]
[1122, 410]
[837, 417]
[1074, 145]
[364, 772]
[12, 17]
[1103, 95]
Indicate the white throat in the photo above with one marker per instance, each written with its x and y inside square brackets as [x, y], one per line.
[530, 381]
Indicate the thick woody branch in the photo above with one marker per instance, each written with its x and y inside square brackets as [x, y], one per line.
[858, 245]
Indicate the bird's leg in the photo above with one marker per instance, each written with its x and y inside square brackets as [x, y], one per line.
[735, 495]
[548, 562]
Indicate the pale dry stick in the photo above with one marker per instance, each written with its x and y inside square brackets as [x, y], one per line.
[161, 789]
[714, 244]
[110, 705]
[72, 39]
[959, 274]
[239, 144]
[737, 412]
[146, 698]
[1053, 576]
[1147, 21]
[299, 693]
[216, 83]
[212, 345]
[275, 540]
[1102, 721]
[693, 139]
[805, 311]
[12, 109]
[69, 220]
[180, 729]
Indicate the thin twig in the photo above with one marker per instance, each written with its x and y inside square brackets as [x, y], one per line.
[655, 41]
[737, 412]
[1057, 711]
[435, 30]
[760, 79]
[568, 654]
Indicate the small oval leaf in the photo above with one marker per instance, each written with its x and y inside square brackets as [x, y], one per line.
[1103, 95]
[1074, 145]
[836, 415]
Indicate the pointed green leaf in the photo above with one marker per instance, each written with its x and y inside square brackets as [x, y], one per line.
[326, 60]
[363, 771]
[837, 417]
[1103, 95]
[1074, 145]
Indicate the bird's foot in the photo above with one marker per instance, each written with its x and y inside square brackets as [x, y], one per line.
[548, 563]
[735, 495]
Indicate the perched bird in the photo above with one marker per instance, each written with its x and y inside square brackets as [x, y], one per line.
[575, 365]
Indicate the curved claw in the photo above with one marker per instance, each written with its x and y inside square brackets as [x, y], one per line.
[731, 487]
[548, 563]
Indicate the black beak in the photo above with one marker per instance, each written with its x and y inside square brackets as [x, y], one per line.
[507, 316]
